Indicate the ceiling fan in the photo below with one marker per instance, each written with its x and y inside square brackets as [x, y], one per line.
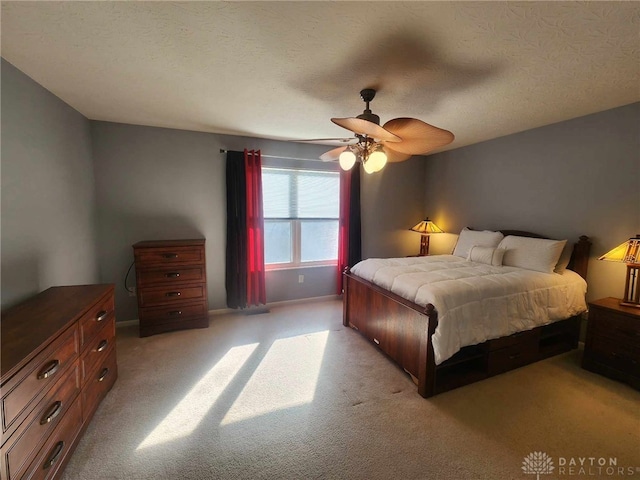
[395, 141]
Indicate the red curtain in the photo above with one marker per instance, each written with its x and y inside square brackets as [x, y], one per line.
[256, 292]
[343, 225]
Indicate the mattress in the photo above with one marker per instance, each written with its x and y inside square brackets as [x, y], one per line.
[477, 302]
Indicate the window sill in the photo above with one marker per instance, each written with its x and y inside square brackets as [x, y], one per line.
[300, 266]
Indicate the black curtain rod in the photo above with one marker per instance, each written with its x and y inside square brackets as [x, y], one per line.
[222, 150]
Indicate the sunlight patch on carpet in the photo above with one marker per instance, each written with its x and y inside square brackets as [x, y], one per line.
[187, 415]
[287, 377]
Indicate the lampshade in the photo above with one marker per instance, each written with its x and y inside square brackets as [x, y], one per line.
[368, 166]
[426, 227]
[378, 159]
[629, 253]
[347, 160]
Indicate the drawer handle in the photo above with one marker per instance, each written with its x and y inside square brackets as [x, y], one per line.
[49, 370]
[170, 255]
[101, 315]
[102, 346]
[52, 413]
[172, 294]
[57, 450]
[175, 313]
[172, 275]
[513, 356]
[103, 375]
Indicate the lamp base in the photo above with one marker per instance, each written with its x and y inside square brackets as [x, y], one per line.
[631, 288]
[424, 246]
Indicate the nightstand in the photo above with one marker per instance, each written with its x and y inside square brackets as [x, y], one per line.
[612, 346]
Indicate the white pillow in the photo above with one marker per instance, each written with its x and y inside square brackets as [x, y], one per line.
[565, 258]
[469, 238]
[486, 255]
[537, 254]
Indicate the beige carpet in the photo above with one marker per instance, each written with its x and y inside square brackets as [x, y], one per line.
[292, 394]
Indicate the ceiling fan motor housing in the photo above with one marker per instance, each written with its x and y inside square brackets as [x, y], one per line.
[369, 117]
[367, 95]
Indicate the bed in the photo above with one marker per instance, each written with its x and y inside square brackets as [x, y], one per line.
[406, 328]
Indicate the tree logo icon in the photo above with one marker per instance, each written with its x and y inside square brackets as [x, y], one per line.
[537, 463]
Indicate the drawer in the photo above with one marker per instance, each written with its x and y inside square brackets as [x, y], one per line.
[512, 357]
[529, 336]
[97, 349]
[170, 294]
[99, 382]
[19, 451]
[617, 355]
[32, 382]
[95, 318]
[615, 326]
[57, 448]
[169, 313]
[169, 256]
[177, 274]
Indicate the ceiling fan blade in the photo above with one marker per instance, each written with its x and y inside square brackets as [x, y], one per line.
[332, 155]
[364, 127]
[417, 136]
[394, 155]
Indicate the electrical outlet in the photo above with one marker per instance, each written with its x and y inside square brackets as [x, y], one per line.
[300, 278]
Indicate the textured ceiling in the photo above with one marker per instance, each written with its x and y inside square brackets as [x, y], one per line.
[281, 70]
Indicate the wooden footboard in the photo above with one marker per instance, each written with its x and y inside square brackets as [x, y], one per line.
[394, 324]
[403, 330]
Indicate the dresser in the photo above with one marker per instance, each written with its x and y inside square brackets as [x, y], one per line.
[171, 284]
[612, 345]
[58, 363]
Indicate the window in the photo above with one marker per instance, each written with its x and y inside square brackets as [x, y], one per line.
[301, 210]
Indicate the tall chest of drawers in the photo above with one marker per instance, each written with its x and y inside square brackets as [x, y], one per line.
[171, 282]
[58, 363]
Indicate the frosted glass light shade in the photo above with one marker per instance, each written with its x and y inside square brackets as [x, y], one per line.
[378, 160]
[368, 167]
[347, 160]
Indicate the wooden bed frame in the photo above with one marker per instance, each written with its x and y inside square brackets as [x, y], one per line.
[403, 331]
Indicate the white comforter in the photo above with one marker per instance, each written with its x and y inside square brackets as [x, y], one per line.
[477, 302]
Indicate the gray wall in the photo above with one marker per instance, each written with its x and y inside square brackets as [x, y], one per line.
[48, 233]
[392, 201]
[155, 183]
[579, 177]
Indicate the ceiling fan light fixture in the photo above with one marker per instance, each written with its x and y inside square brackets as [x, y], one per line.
[347, 159]
[397, 140]
[377, 159]
[368, 166]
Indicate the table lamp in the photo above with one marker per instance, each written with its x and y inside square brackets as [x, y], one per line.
[426, 228]
[629, 253]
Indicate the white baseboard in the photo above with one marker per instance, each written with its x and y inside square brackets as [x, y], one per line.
[244, 311]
